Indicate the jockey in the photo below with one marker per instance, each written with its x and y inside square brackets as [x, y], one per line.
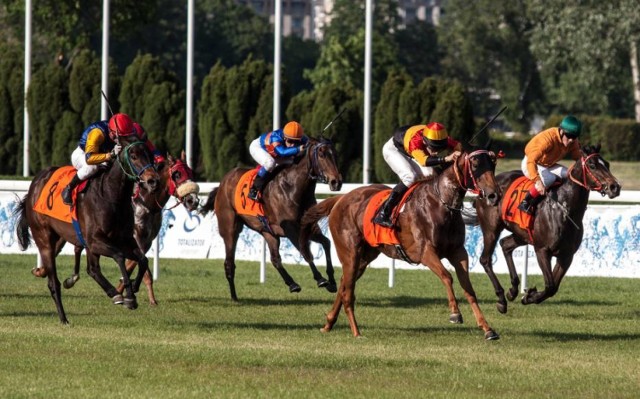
[98, 146]
[273, 148]
[413, 152]
[542, 153]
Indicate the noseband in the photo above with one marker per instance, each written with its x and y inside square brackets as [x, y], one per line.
[599, 187]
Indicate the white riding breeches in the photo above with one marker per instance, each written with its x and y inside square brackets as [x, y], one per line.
[548, 175]
[407, 169]
[79, 161]
[263, 158]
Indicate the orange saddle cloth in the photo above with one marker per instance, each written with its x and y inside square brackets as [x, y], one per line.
[377, 235]
[512, 198]
[50, 201]
[243, 204]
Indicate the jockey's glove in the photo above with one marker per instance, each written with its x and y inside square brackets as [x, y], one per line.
[115, 151]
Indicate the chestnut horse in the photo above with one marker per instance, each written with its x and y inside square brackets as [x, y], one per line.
[176, 180]
[430, 228]
[286, 197]
[105, 217]
[557, 229]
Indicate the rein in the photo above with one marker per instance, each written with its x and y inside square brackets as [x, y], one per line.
[464, 177]
[586, 172]
[315, 173]
[134, 175]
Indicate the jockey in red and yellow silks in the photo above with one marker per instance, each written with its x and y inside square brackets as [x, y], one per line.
[273, 148]
[412, 152]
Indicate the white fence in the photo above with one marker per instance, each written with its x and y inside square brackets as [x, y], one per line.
[611, 244]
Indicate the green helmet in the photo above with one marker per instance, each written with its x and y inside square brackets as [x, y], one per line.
[571, 125]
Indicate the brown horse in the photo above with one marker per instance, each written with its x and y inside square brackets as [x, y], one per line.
[557, 229]
[105, 217]
[175, 180]
[429, 228]
[285, 198]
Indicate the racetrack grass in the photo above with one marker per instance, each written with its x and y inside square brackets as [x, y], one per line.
[583, 343]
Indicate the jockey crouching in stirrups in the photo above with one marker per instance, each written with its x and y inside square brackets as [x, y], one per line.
[274, 148]
[413, 152]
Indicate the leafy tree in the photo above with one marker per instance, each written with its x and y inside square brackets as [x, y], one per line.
[11, 109]
[487, 46]
[212, 120]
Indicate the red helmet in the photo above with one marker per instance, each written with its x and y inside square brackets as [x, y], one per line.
[139, 131]
[121, 125]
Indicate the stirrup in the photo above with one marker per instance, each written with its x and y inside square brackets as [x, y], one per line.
[67, 197]
[382, 221]
[253, 195]
[526, 207]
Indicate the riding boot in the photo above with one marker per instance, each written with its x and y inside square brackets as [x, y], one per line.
[383, 218]
[257, 186]
[528, 204]
[66, 193]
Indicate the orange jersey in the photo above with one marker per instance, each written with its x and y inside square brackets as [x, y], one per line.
[546, 149]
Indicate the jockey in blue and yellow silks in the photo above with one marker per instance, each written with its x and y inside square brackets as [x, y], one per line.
[273, 148]
[412, 152]
[97, 145]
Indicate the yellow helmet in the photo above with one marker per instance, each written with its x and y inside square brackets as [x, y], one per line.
[435, 136]
[293, 131]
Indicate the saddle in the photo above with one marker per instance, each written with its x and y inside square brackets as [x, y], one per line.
[377, 235]
[245, 205]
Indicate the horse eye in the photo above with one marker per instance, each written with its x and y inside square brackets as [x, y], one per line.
[176, 175]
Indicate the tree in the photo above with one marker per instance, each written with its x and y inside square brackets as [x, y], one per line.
[11, 109]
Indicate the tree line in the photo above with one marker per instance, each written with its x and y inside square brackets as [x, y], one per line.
[541, 58]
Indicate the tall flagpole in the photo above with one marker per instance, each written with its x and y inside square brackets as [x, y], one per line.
[27, 81]
[104, 109]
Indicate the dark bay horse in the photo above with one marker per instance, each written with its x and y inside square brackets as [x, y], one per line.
[175, 180]
[429, 228]
[105, 217]
[285, 198]
[557, 229]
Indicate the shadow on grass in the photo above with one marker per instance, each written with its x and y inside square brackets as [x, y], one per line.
[569, 337]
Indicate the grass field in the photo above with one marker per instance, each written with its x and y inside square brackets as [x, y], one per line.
[583, 343]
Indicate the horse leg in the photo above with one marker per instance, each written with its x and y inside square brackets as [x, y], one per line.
[508, 245]
[432, 261]
[489, 246]
[460, 261]
[350, 260]
[273, 243]
[71, 281]
[93, 270]
[326, 247]
[294, 236]
[229, 228]
[533, 295]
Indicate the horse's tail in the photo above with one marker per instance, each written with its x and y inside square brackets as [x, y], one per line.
[312, 216]
[211, 201]
[22, 225]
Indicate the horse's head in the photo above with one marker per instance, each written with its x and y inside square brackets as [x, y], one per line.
[592, 172]
[137, 163]
[324, 168]
[478, 174]
[181, 183]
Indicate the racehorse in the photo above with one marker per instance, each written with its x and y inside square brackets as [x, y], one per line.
[285, 198]
[429, 228]
[105, 219]
[557, 228]
[175, 180]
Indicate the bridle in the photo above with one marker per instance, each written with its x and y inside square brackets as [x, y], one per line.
[465, 176]
[599, 187]
[315, 172]
[133, 173]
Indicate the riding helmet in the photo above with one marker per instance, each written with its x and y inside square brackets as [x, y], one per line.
[435, 136]
[121, 124]
[571, 125]
[293, 131]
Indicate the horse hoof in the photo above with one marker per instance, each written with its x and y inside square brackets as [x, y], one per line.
[294, 288]
[491, 335]
[39, 272]
[502, 307]
[322, 282]
[117, 299]
[71, 281]
[131, 303]
[512, 294]
[455, 318]
[332, 287]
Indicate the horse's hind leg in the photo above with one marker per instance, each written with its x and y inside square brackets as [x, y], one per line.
[508, 245]
[460, 261]
[47, 247]
[274, 251]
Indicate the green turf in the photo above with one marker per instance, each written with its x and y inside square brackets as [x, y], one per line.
[583, 343]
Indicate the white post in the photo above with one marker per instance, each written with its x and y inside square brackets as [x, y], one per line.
[156, 257]
[277, 42]
[27, 81]
[189, 128]
[526, 267]
[392, 273]
[367, 92]
[104, 109]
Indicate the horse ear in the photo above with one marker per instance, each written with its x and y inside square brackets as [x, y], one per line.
[183, 156]
[598, 146]
[488, 145]
[170, 158]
